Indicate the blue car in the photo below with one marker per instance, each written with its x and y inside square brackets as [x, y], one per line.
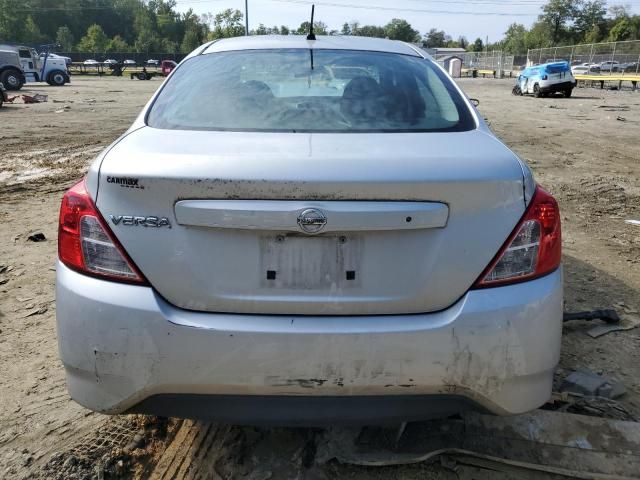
[546, 79]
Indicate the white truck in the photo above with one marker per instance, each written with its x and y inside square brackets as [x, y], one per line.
[20, 64]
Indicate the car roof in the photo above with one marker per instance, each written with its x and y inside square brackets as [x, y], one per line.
[333, 42]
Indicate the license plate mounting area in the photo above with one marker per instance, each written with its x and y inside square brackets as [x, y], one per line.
[323, 262]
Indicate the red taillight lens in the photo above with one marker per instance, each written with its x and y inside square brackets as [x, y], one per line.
[532, 250]
[86, 244]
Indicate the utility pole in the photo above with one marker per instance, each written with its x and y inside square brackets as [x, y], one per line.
[246, 17]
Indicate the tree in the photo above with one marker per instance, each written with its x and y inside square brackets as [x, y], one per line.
[95, 41]
[11, 19]
[190, 41]
[65, 39]
[515, 39]
[589, 16]
[261, 30]
[557, 13]
[319, 28]
[622, 30]
[400, 29]
[594, 35]
[169, 46]
[539, 36]
[346, 29]
[434, 38]
[478, 45]
[117, 45]
[463, 42]
[370, 31]
[284, 30]
[228, 23]
[145, 42]
[32, 33]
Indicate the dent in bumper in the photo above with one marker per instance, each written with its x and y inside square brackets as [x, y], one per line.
[121, 344]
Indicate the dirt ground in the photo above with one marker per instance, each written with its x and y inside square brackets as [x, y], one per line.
[585, 150]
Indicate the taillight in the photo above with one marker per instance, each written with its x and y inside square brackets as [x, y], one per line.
[533, 249]
[86, 244]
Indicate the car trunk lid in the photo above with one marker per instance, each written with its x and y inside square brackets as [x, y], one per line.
[316, 224]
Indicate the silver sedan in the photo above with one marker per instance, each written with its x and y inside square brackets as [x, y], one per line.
[309, 231]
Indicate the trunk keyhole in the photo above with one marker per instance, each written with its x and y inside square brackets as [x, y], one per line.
[408, 219]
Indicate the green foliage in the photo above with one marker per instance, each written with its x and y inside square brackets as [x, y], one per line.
[65, 38]
[515, 39]
[228, 23]
[622, 30]
[399, 29]
[157, 26]
[589, 19]
[434, 38]
[368, 31]
[594, 35]
[319, 28]
[11, 20]
[32, 33]
[94, 41]
[117, 44]
[557, 14]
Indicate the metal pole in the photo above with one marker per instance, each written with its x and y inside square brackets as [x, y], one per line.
[613, 55]
[246, 17]
[571, 55]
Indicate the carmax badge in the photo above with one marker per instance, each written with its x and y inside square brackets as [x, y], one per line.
[135, 221]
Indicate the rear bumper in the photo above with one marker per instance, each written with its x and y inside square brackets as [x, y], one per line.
[557, 87]
[125, 349]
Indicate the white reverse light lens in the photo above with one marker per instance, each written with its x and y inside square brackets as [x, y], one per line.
[522, 255]
[100, 254]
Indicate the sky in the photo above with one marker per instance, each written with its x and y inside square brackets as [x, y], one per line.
[471, 18]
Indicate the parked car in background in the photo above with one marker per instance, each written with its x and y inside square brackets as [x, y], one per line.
[610, 66]
[268, 243]
[546, 79]
[630, 67]
[153, 62]
[167, 66]
[91, 62]
[129, 62]
[585, 69]
[110, 61]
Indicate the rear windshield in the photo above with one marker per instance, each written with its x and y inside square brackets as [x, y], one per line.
[557, 68]
[303, 90]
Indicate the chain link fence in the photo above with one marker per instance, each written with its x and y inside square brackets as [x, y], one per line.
[609, 57]
[493, 60]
